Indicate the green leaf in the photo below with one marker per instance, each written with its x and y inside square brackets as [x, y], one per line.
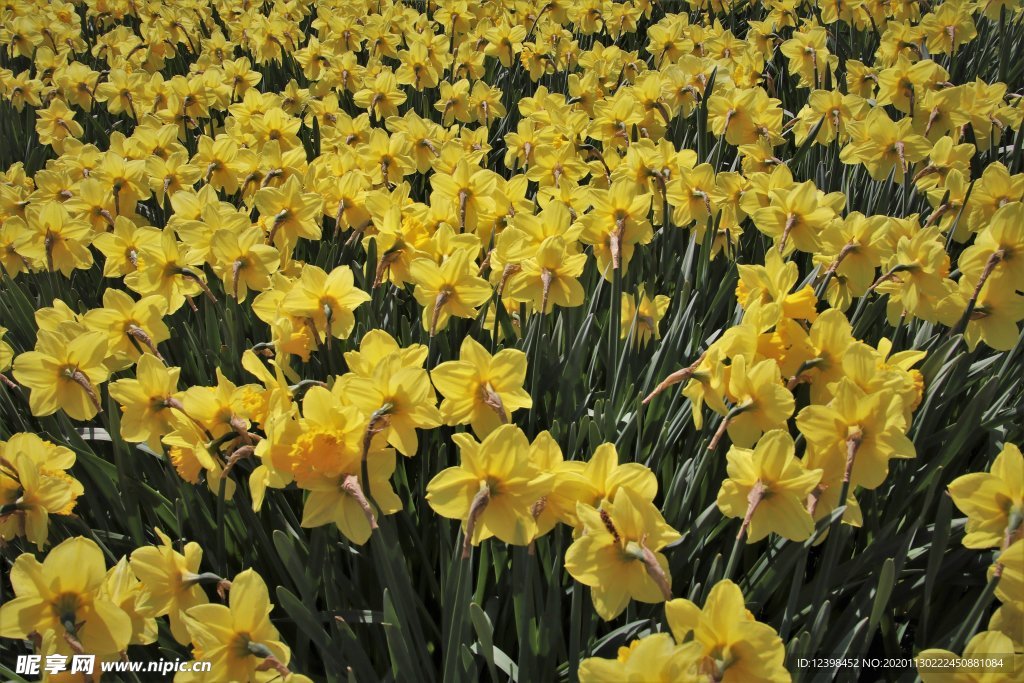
[402, 663]
[886, 581]
[485, 637]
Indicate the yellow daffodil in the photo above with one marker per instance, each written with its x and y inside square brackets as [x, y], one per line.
[170, 582]
[862, 429]
[741, 115]
[733, 646]
[63, 594]
[378, 345]
[53, 239]
[916, 279]
[492, 490]
[64, 372]
[884, 146]
[6, 352]
[1009, 565]
[795, 218]
[772, 283]
[34, 484]
[56, 123]
[324, 452]
[131, 327]
[238, 638]
[760, 402]
[767, 488]
[549, 279]
[396, 399]
[122, 588]
[242, 262]
[169, 269]
[653, 659]
[618, 554]
[147, 401]
[326, 302]
[451, 289]
[597, 481]
[480, 389]
[987, 644]
[995, 314]
[993, 501]
[124, 247]
[338, 495]
[289, 213]
[643, 315]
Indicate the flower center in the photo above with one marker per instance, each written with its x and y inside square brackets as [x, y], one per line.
[320, 453]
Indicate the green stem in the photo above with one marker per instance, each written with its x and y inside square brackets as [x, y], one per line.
[221, 528]
[126, 472]
[794, 594]
[970, 624]
[451, 672]
[831, 551]
[734, 556]
[575, 628]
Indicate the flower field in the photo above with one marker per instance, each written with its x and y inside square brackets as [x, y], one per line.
[512, 340]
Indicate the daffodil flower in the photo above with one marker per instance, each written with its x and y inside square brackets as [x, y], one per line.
[62, 594]
[767, 488]
[493, 490]
[480, 389]
[239, 638]
[618, 554]
[993, 501]
[732, 646]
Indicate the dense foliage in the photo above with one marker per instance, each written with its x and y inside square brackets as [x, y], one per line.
[513, 340]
